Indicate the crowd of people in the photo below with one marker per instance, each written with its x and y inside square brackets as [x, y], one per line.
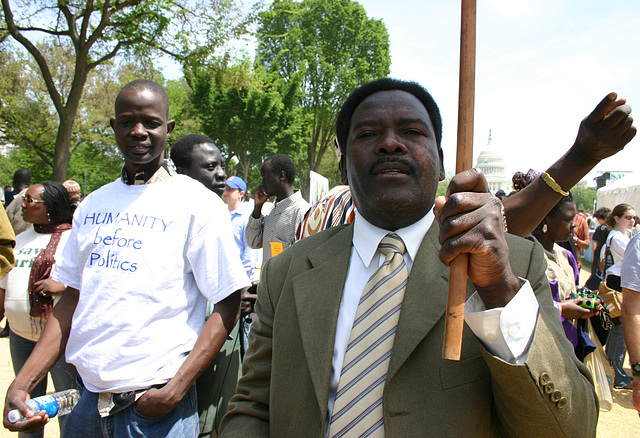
[178, 307]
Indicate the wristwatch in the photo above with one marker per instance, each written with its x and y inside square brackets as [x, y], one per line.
[635, 368]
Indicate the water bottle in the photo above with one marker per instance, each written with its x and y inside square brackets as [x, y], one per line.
[59, 403]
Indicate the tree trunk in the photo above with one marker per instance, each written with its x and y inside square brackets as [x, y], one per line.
[62, 152]
[67, 119]
[303, 175]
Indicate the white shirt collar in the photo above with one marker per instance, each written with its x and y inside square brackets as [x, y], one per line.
[367, 237]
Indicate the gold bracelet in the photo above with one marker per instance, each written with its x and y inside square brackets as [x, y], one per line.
[553, 185]
[504, 218]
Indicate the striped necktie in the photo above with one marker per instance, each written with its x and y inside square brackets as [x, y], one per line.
[358, 405]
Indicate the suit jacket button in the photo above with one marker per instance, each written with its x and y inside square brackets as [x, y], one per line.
[544, 378]
[556, 396]
[561, 403]
[549, 388]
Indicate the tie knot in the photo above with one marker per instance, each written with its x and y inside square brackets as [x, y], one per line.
[391, 243]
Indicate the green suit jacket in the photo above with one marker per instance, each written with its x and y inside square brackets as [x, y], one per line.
[285, 388]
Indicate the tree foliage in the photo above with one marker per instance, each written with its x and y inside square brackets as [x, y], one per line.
[25, 112]
[28, 120]
[334, 46]
[584, 197]
[95, 32]
[442, 187]
[181, 109]
[248, 113]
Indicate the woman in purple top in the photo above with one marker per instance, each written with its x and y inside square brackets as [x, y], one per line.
[562, 269]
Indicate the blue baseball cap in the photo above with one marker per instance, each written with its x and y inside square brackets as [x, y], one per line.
[235, 182]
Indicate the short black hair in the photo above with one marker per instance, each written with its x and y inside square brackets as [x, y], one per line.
[282, 163]
[556, 208]
[182, 149]
[58, 202]
[343, 122]
[145, 84]
[22, 176]
[602, 213]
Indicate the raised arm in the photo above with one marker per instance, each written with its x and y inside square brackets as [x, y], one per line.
[603, 133]
[255, 227]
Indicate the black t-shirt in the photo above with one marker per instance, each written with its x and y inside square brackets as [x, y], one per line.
[600, 237]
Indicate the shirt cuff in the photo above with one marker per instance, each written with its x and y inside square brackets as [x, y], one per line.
[255, 223]
[505, 332]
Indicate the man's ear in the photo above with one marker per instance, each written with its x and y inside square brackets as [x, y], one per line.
[112, 122]
[442, 175]
[344, 180]
[181, 170]
[170, 125]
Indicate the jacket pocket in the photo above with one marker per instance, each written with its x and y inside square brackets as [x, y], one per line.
[464, 372]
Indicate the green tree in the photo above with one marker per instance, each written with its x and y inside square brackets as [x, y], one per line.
[98, 31]
[584, 197]
[25, 113]
[28, 118]
[181, 109]
[442, 187]
[248, 113]
[335, 47]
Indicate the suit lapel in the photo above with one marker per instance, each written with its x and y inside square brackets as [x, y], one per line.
[317, 295]
[425, 300]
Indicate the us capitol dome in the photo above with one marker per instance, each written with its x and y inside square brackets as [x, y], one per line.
[491, 163]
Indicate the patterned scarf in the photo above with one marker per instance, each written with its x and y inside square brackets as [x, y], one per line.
[41, 305]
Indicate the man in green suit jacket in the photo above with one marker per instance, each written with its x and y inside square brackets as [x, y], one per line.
[518, 375]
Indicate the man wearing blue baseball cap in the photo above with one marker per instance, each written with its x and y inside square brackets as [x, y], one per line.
[234, 191]
[232, 195]
[235, 182]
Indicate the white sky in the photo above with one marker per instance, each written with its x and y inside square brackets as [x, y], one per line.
[541, 67]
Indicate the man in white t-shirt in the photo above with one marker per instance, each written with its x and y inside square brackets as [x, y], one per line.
[144, 255]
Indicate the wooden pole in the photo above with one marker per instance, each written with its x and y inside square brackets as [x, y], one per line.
[454, 322]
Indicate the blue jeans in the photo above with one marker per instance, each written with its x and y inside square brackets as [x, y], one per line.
[84, 420]
[616, 350]
[62, 373]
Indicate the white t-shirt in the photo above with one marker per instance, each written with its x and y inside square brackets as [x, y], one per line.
[16, 282]
[145, 259]
[630, 271]
[617, 243]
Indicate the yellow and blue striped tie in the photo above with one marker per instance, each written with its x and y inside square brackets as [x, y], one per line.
[358, 405]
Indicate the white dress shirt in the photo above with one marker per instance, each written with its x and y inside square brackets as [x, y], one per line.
[506, 332]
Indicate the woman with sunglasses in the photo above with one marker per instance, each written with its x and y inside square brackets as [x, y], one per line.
[27, 294]
[621, 220]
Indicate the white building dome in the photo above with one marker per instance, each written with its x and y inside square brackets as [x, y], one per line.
[491, 163]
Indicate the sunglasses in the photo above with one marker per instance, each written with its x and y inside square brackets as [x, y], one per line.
[31, 201]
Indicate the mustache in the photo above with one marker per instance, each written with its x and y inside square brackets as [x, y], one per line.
[392, 159]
